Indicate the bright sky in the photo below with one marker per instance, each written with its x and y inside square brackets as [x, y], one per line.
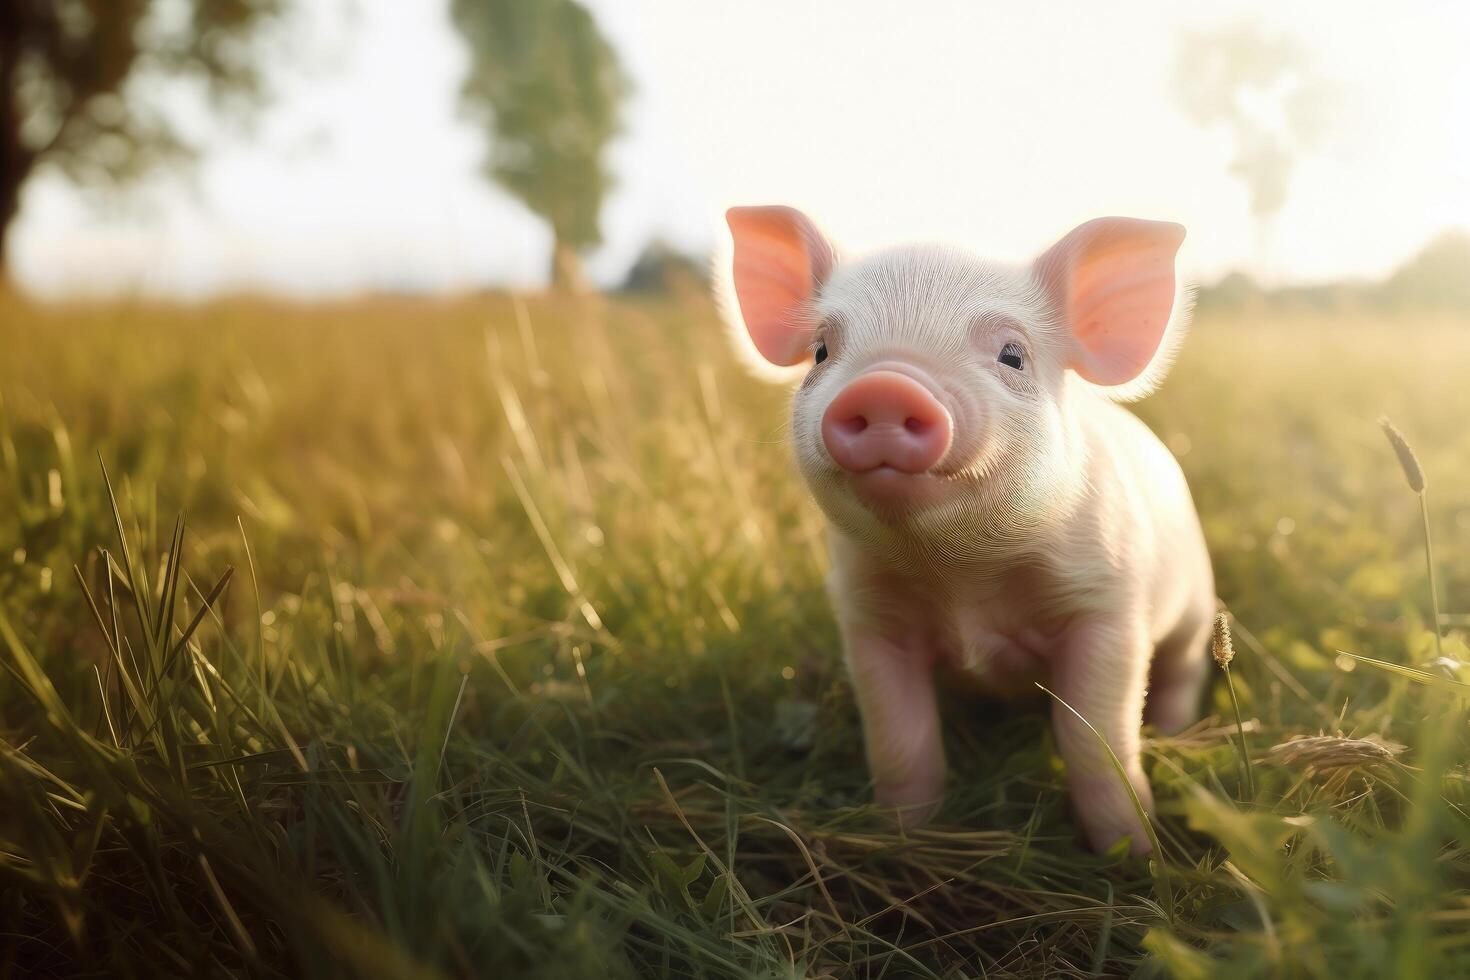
[995, 126]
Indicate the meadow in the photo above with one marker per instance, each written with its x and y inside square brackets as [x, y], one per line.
[487, 637]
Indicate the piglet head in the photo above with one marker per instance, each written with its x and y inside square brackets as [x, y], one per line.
[938, 387]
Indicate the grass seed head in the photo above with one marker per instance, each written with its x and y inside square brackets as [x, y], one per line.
[1220, 643]
[1413, 472]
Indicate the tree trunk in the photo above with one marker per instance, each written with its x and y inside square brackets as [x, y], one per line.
[9, 206]
[15, 159]
[567, 275]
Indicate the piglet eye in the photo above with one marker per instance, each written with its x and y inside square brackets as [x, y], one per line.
[820, 353]
[1012, 357]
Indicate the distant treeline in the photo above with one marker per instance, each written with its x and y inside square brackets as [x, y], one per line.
[1437, 278]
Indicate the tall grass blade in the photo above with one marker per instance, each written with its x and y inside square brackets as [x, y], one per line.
[136, 581]
[1412, 673]
[1157, 862]
[200, 613]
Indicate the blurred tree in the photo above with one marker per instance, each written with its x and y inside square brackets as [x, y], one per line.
[1266, 95]
[66, 67]
[663, 268]
[550, 89]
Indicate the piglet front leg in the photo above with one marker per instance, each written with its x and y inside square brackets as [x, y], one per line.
[894, 685]
[1101, 671]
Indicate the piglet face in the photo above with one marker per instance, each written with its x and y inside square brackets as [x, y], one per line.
[934, 379]
[937, 384]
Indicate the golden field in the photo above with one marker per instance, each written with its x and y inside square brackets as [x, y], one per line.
[525, 667]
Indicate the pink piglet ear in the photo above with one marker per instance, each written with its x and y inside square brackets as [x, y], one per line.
[781, 260]
[1112, 282]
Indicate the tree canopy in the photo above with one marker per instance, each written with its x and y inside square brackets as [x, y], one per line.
[550, 89]
[66, 67]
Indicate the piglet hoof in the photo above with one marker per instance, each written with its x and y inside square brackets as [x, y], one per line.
[1105, 813]
[910, 808]
[1172, 713]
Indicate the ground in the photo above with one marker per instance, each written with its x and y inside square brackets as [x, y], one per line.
[523, 667]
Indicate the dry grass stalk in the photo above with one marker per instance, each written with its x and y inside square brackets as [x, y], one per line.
[1326, 753]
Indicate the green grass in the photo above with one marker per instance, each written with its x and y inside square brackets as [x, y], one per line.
[524, 666]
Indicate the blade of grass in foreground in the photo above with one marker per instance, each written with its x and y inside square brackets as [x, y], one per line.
[1412, 673]
[1156, 864]
[134, 580]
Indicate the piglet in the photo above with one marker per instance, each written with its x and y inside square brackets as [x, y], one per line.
[995, 515]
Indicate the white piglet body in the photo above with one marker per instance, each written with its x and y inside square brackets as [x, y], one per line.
[994, 515]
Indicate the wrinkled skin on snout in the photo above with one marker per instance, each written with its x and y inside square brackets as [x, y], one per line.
[995, 515]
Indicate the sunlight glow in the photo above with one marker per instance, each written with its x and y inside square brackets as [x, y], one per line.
[995, 126]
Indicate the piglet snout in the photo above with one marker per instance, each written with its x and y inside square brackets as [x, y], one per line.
[883, 418]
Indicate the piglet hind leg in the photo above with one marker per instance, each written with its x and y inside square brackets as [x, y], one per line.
[1101, 671]
[1180, 669]
[894, 686]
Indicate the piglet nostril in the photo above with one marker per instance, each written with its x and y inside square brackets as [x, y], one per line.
[915, 425]
[855, 424]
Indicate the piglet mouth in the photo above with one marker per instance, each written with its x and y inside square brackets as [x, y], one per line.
[887, 489]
